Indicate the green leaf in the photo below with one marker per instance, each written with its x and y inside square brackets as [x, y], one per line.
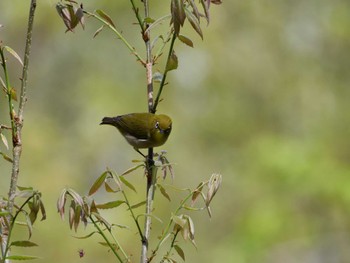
[180, 252]
[23, 243]
[7, 158]
[127, 183]
[172, 62]
[97, 184]
[4, 140]
[132, 169]
[138, 205]
[157, 22]
[110, 205]
[98, 31]
[14, 257]
[105, 16]
[185, 40]
[148, 20]
[163, 192]
[4, 213]
[14, 54]
[87, 236]
[194, 22]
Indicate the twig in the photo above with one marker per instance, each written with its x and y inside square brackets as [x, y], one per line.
[120, 36]
[162, 84]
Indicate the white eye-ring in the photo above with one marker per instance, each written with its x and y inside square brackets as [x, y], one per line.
[157, 125]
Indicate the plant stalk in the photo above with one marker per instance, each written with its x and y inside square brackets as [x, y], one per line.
[18, 121]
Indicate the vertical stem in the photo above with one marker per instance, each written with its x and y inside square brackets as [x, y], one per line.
[17, 127]
[149, 162]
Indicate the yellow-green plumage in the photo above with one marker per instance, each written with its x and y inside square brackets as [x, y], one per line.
[142, 130]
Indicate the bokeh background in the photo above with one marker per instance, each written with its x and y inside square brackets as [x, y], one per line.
[264, 100]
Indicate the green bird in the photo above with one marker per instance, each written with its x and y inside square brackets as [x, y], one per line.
[142, 130]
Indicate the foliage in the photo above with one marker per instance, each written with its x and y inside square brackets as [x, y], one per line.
[84, 209]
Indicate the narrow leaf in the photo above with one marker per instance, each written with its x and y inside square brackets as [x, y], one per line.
[105, 16]
[179, 11]
[157, 22]
[87, 236]
[14, 257]
[205, 5]
[190, 227]
[163, 192]
[4, 140]
[7, 158]
[197, 192]
[185, 40]
[23, 243]
[97, 184]
[132, 169]
[180, 252]
[98, 31]
[14, 54]
[127, 183]
[138, 205]
[179, 221]
[194, 22]
[110, 204]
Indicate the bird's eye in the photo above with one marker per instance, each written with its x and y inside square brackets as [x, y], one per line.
[157, 125]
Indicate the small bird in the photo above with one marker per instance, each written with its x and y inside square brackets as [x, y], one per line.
[142, 130]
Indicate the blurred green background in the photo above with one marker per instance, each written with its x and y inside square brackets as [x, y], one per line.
[264, 100]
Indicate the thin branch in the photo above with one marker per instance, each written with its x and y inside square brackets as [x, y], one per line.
[17, 147]
[162, 84]
[106, 239]
[136, 11]
[120, 36]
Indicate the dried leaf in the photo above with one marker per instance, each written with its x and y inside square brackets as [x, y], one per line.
[190, 227]
[180, 252]
[213, 186]
[195, 9]
[185, 40]
[197, 192]
[105, 16]
[4, 140]
[179, 220]
[205, 5]
[194, 22]
[14, 54]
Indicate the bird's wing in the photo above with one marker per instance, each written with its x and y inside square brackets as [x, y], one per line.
[134, 128]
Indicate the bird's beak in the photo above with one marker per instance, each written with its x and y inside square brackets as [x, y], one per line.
[107, 120]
